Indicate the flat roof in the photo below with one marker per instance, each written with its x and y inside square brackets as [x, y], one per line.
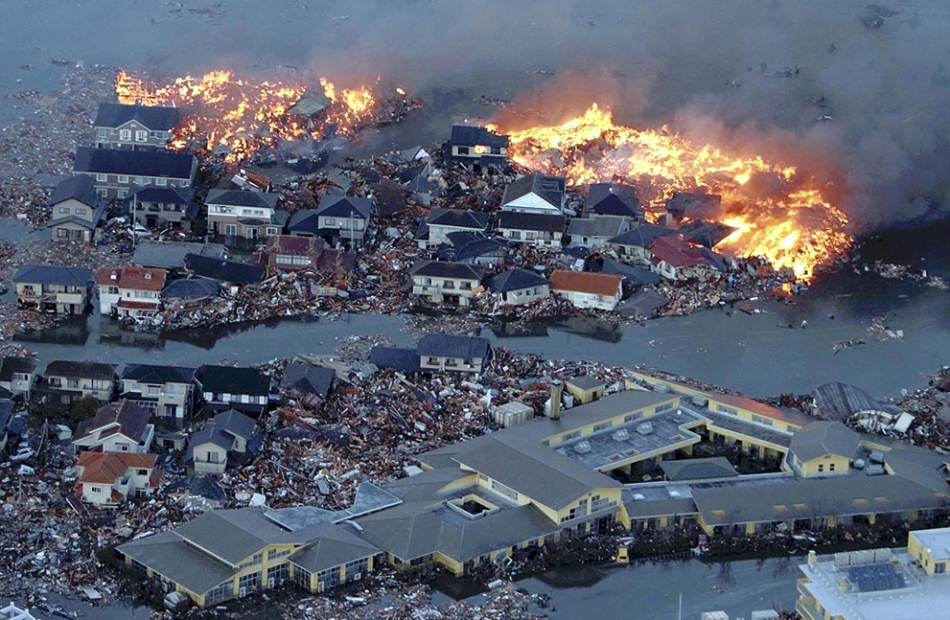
[935, 541]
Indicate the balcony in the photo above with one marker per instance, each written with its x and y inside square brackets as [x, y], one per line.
[808, 612]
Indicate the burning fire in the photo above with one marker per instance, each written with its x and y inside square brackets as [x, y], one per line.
[794, 227]
[221, 110]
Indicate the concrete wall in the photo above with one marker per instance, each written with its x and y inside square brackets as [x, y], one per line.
[526, 296]
[590, 301]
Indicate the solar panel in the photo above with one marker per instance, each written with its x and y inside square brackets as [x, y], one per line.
[875, 577]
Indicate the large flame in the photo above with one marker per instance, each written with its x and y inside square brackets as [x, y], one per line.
[243, 115]
[794, 227]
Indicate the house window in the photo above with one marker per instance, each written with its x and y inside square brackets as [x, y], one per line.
[940, 568]
[122, 193]
[102, 132]
[185, 183]
[161, 182]
[603, 426]
[141, 472]
[504, 490]
[530, 236]
[821, 468]
[102, 178]
[62, 233]
[220, 593]
[496, 150]
[64, 210]
[125, 134]
[831, 467]
[122, 447]
[570, 436]
[95, 489]
[515, 234]
[330, 222]
[462, 150]
[141, 136]
[123, 178]
[212, 456]
[726, 409]
[302, 577]
[663, 407]
[252, 582]
[272, 230]
[102, 192]
[154, 390]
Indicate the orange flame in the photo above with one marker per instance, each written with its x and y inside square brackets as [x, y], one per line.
[794, 228]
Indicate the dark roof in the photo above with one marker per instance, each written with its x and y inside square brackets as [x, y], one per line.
[467, 135]
[707, 234]
[49, 274]
[695, 206]
[209, 434]
[345, 206]
[550, 189]
[461, 218]
[192, 288]
[81, 221]
[603, 226]
[233, 380]
[544, 222]
[333, 547]
[242, 198]
[304, 220]
[397, 358]
[612, 199]
[203, 486]
[840, 401]
[235, 272]
[641, 235]
[138, 163]
[6, 412]
[90, 370]
[642, 304]
[474, 248]
[631, 274]
[171, 254]
[448, 345]
[822, 438]
[148, 373]
[390, 198]
[164, 195]
[308, 379]
[10, 365]
[443, 269]
[698, 469]
[131, 418]
[156, 118]
[515, 280]
[81, 187]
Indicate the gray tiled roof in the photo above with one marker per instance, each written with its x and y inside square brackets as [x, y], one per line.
[169, 555]
[50, 274]
[840, 401]
[136, 163]
[461, 218]
[171, 255]
[242, 198]
[156, 118]
[81, 187]
[450, 345]
[549, 188]
[698, 469]
[445, 269]
[822, 438]
[516, 280]
[333, 546]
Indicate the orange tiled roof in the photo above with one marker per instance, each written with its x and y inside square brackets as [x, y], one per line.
[135, 278]
[107, 467]
[586, 282]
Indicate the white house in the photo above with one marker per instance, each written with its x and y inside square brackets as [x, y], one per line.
[120, 126]
[166, 391]
[597, 230]
[108, 478]
[130, 291]
[226, 387]
[535, 193]
[227, 433]
[597, 291]
[17, 375]
[118, 427]
[519, 286]
[243, 213]
[535, 228]
[441, 280]
[443, 222]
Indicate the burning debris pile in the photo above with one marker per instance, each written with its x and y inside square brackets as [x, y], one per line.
[794, 226]
[236, 117]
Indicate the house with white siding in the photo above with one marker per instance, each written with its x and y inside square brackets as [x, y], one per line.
[441, 223]
[237, 213]
[595, 291]
[76, 209]
[538, 229]
[441, 281]
[119, 172]
[68, 380]
[165, 391]
[519, 286]
[121, 426]
[535, 193]
[49, 288]
[225, 434]
[121, 126]
[106, 479]
[130, 291]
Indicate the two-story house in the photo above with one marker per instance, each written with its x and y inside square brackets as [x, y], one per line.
[120, 126]
[469, 144]
[164, 391]
[106, 479]
[121, 426]
[290, 253]
[535, 193]
[117, 173]
[675, 258]
[598, 291]
[76, 209]
[339, 220]
[631, 246]
[535, 228]
[441, 223]
[450, 353]
[243, 214]
[612, 199]
[130, 291]
[519, 286]
[69, 380]
[17, 375]
[164, 207]
[439, 281]
[46, 288]
[230, 387]
[596, 230]
[225, 434]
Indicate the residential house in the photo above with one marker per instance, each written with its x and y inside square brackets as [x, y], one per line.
[447, 352]
[401, 359]
[470, 144]
[130, 291]
[535, 193]
[106, 479]
[10, 425]
[631, 246]
[519, 286]
[634, 276]
[310, 383]
[118, 173]
[224, 435]
[539, 229]
[476, 249]
[121, 426]
[228, 387]
[164, 391]
[190, 292]
[60, 290]
[340, 220]
[76, 208]
[164, 208]
[439, 281]
[596, 230]
[688, 206]
[595, 291]
[233, 272]
[227, 554]
[442, 222]
[706, 234]
[17, 375]
[72, 380]
[171, 254]
[121, 126]
[612, 199]
[289, 253]
[244, 214]
[676, 259]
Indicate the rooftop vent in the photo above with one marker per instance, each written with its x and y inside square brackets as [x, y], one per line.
[858, 463]
[148, 275]
[699, 401]
[621, 435]
[661, 387]
[876, 456]
[645, 429]
[582, 447]
[114, 275]
[639, 497]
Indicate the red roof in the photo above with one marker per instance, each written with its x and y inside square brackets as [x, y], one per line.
[135, 278]
[138, 305]
[107, 467]
[586, 282]
[676, 251]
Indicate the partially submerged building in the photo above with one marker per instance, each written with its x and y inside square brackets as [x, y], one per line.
[441, 281]
[77, 210]
[48, 288]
